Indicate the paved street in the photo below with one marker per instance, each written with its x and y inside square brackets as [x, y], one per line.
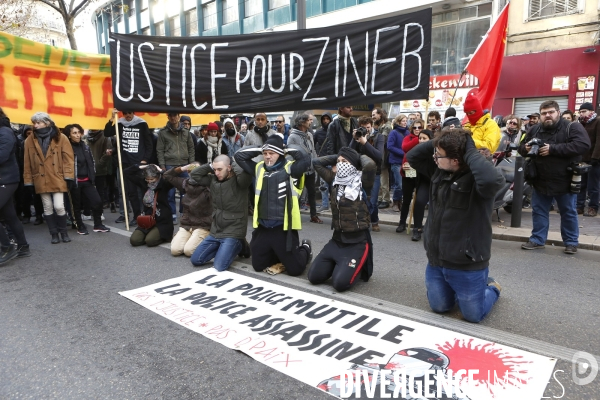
[68, 334]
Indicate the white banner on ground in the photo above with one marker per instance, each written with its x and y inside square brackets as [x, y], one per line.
[327, 343]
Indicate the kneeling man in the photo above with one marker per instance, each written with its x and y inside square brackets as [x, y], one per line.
[458, 233]
[228, 190]
[276, 219]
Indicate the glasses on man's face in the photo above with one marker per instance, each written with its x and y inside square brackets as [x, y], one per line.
[279, 122]
[436, 155]
[544, 113]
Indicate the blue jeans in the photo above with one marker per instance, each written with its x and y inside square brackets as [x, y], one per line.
[569, 224]
[171, 197]
[590, 185]
[222, 250]
[374, 194]
[397, 196]
[447, 286]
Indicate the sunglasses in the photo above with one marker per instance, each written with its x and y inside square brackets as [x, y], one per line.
[512, 122]
[279, 122]
[417, 128]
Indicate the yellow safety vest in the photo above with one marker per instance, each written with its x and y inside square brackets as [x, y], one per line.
[296, 193]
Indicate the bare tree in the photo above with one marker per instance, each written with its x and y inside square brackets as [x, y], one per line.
[15, 16]
[68, 10]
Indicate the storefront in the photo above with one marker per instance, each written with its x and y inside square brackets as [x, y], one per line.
[569, 77]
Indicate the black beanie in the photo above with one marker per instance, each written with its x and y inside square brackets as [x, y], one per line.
[274, 143]
[586, 106]
[352, 156]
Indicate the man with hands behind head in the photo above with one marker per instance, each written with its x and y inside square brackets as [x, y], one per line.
[458, 231]
[228, 189]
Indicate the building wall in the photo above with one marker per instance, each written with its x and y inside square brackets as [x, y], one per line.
[551, 33]
[532, 75]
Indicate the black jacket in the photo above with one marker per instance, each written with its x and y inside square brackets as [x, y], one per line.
[553, 177]
[374, 148]
[202, 152]
[337, 137]
[164, 219]
[9, 169]
[84, 162]
[350, 219]
[136, 141]
[320, 135]
[458, 231]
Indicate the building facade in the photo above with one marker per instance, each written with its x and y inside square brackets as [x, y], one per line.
[551, 44]
[552, 53]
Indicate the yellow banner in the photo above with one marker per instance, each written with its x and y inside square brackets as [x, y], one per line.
[71, 86]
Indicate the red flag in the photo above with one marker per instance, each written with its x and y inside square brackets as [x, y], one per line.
[486, 63]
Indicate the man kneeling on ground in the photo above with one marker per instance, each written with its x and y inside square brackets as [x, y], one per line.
[350, 250]
[458, 231]
[276, 219]
[228, 191]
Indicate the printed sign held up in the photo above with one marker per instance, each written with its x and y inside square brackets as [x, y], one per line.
[360, 63]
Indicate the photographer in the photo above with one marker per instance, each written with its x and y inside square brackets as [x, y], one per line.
[371, 144]
[552, 146]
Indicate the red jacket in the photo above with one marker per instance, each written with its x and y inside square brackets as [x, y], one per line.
[410, 141]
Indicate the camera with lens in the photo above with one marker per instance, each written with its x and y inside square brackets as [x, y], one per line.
[578, 169]
[535, 144]
[360, 132]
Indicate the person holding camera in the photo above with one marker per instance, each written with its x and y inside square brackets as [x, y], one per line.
[555, 148]
[590, 182]
[458, 231]
[371, 144]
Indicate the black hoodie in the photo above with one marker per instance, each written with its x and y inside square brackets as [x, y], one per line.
[321, 134]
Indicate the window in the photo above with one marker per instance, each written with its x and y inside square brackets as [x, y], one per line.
[209, 10]
[273, 4]
[131, 8]
[253, 7]
[189, 4]
[453, 45]
[191, 22]
[230, 11]
[539, 9]
[159, 28]
[175, 26]
[145, 18]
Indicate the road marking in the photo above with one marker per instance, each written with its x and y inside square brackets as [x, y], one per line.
[426, 317]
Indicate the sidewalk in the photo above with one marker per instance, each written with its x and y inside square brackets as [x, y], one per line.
[589, 227]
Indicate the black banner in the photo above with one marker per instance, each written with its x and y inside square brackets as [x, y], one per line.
[360, 63]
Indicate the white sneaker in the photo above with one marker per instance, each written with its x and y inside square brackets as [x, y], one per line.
[102, 217]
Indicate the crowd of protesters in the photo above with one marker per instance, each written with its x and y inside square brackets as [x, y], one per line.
[228, 174]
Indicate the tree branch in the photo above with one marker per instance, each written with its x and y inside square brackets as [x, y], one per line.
[51, 4]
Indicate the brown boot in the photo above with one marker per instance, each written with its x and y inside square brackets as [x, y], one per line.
[375, 228]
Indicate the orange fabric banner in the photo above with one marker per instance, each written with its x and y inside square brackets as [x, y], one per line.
[71, 86]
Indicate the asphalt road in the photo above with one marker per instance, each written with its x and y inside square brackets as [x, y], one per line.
[68, 334]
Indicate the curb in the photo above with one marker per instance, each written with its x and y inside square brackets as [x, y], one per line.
[498, 234]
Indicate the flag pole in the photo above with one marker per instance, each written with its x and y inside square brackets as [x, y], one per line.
[457, 86]
[124, 201]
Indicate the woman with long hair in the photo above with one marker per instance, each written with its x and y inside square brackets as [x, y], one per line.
[418, 182]
[155, 201]
[85, 171]
[211, 146]
[9, 181]
[49, 166]
[394, 146]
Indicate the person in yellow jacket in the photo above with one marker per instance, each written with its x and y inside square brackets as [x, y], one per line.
[484, 130]
[276, 220]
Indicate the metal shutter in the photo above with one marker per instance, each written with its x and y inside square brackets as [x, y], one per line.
[530, 105]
